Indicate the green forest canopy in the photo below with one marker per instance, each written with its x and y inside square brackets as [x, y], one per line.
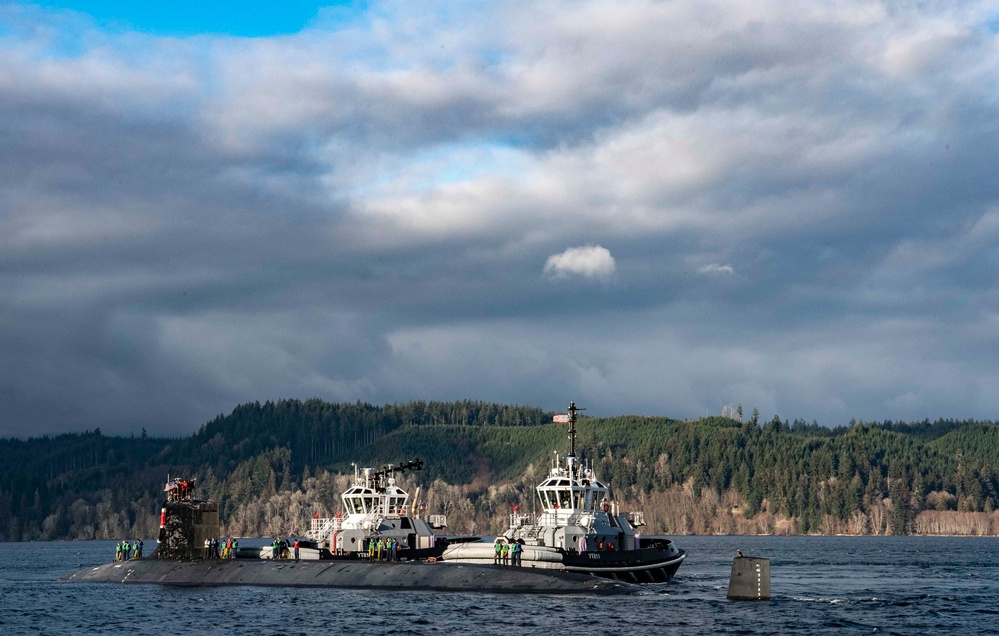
[50, 487]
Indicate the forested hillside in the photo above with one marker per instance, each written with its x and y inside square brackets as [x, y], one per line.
[272, 465]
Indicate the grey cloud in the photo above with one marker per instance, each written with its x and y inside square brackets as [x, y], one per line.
[255, 219]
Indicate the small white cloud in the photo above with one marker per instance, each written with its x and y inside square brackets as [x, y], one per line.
[714, 269]
[591, 261]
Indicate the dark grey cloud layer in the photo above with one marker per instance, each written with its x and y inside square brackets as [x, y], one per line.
[653, 208]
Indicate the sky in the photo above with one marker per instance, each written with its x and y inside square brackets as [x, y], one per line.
[653, 208]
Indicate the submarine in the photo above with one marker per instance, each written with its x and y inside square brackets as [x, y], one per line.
[410, 575]
[579, 544]
[180, 560]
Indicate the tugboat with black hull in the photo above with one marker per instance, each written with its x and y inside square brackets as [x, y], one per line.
[580, 529]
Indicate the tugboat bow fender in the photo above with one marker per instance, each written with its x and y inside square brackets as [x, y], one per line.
[532, 556]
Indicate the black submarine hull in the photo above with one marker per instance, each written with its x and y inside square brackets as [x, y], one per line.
[416, 575]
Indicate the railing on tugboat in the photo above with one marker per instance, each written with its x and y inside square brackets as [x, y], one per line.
[584, 518]
[518, 520]
[320, 529]
[637, 519]
[562, 518]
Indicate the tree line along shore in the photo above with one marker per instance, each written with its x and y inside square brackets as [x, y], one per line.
[271, 466]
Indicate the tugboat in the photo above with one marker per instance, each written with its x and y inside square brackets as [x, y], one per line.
[378, 510]
[580, 529]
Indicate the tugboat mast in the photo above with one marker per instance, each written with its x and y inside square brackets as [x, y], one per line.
[383, 475]
[572, 428]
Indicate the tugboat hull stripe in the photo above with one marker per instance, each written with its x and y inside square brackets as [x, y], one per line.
[623, 568]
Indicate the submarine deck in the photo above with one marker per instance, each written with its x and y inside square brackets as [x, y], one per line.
[440, 576]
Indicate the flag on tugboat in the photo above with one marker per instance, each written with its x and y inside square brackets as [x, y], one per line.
[561, 418]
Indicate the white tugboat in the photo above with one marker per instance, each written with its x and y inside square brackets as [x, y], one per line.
[579, 529]
[376, 508]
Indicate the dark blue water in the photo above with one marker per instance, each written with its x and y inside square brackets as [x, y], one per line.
[820, 585]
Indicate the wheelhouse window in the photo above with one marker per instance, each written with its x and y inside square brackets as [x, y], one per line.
[353, 505]
[548, 499]
[565, 498]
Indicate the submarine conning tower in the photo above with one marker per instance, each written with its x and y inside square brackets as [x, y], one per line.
[185, 522]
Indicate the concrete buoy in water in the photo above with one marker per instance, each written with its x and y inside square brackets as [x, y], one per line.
[750, 580]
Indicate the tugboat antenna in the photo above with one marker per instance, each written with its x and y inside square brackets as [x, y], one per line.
[388, 471]
[572, 428]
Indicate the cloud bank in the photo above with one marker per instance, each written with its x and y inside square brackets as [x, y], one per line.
[800, 201]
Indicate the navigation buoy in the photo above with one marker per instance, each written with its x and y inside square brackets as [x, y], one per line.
[750, 579]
